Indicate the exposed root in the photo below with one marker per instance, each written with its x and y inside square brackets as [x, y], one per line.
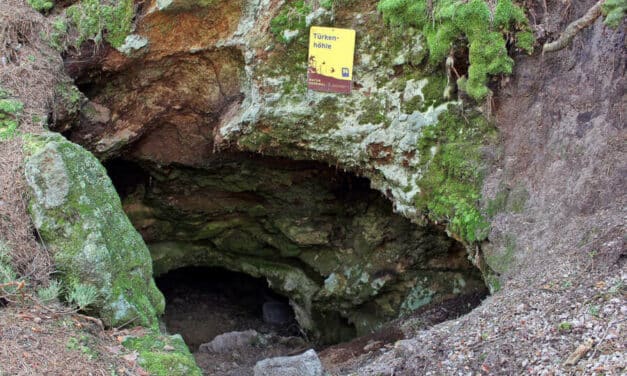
[571, 30]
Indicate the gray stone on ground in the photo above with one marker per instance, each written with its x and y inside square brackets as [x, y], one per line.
[305, 364]
[230, 341]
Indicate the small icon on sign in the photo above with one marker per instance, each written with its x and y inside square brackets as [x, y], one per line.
[345, 72]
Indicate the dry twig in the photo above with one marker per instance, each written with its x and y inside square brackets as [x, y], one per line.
[573, 28]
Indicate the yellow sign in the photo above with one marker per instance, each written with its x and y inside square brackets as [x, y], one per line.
[330, 65]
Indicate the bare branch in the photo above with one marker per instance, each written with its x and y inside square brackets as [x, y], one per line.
[571, 30]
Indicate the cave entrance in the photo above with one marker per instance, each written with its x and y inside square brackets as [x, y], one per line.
[313, 233]
[204, 302]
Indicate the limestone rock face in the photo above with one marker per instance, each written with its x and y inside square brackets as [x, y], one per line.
[79, 217]
[218, 75]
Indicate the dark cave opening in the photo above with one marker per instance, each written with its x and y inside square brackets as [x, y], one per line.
[126, 176]
[203, 302]
[244, 230]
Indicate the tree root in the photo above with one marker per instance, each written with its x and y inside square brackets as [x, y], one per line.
[571, 30]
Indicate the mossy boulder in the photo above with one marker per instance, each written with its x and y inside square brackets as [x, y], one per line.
[79, 217]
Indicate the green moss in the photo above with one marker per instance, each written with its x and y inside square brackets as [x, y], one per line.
[58, 34]
[432, 95]
[412, 105]
[10, 111]
[84, 344]
[433, 92]
[525, 40]
[493, 282]
[374, 111]
[68, 96]
[510, 200]
[41, 5]
[517, 199]
[451, 24]
[451, 180]
[498, 203]
[79, 215]
[291, 17]
[290, 63]
[565, 326]
[289, 59]
[502, 261]
[11, 106]
[327, 115]
[184, 5]
[163, 355]
[100, 20]
[7, 274]
[614, 11]
[327, 4]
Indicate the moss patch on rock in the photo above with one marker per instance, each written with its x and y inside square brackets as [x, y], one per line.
[452, 24]
[80, 218]
[163, 355]
[290, 21]
[450, 154]
[102, 21]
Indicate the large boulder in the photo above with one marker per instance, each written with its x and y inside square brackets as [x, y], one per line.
[79, 217]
